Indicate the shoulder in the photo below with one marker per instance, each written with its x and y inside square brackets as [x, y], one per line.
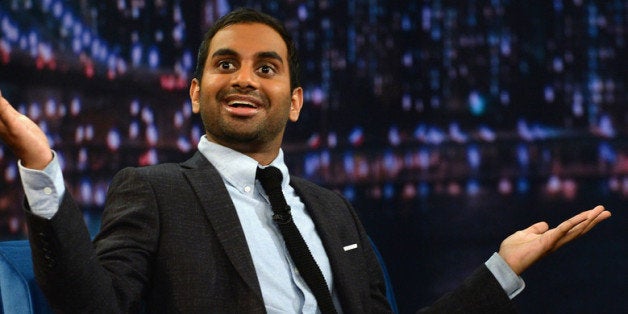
[197, 161]
[305, 185]
[148, 173]
[165, 173]
[315, 194]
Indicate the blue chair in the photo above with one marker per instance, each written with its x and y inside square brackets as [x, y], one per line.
[390, 293]
[19, 291]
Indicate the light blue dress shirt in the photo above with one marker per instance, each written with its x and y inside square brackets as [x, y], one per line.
[283, 289]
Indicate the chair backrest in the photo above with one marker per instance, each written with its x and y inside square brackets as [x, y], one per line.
[390, 293]
[19, 292]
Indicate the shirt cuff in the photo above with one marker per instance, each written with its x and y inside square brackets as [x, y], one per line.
[43, 188]
[510, 282]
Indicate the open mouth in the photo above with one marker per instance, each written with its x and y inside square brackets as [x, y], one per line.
[242, 106]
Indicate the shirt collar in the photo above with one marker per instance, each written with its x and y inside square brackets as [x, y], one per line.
[236, 168]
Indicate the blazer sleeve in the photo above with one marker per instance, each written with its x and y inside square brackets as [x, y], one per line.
[479, 293]
[110, 275]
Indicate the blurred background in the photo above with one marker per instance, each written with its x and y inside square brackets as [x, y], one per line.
[448, 124]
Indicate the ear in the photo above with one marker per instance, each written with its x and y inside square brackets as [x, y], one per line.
[195, 95]
[296, 104]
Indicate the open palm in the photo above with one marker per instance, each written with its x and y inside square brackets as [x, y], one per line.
[524, 247]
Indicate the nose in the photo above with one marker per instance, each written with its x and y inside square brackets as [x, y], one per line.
[245, 77]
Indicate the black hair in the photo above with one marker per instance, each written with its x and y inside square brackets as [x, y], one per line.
[248, 16]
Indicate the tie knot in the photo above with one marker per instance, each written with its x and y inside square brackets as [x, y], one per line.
[269, 177]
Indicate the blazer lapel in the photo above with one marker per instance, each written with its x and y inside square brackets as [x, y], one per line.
[331, 226]
[221, 214]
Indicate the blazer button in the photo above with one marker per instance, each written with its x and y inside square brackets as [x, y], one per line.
[50, 261]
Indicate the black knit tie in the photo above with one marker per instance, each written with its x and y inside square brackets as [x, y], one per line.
[270, 178]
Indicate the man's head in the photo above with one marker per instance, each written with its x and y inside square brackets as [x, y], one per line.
[244, 88]
[248, 16]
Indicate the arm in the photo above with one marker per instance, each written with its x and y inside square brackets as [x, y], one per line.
[75, 276]
[481, 292]
[111, 275]
[40, 172]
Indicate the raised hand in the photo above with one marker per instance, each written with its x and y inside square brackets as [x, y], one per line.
[525, 247]
[23, 137]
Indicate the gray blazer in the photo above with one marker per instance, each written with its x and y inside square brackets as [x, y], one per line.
[171, 242]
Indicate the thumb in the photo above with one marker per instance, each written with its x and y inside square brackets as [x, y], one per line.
[538, 228]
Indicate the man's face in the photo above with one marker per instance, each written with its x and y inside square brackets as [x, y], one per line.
[244, 97]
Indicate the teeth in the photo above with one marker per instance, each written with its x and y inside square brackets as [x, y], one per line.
[240, 104]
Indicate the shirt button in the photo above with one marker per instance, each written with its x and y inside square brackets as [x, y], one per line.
[247, 189]
[47, 190]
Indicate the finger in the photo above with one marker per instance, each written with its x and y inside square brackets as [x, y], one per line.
[594, 216]
[537, 228]
[596, 219]
[7, 112]
[567, 230]
[574, 221]
[9, 118]
[569, 224]
[573, 231]
[595, 211]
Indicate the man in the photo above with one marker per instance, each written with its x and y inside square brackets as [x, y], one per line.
[198, 236]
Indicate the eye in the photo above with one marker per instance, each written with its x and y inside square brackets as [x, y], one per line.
[267, 69]
[226, 65]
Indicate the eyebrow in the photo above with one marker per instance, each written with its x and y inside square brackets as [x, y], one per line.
[270, 55]
[260, 55]
[224, 52]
